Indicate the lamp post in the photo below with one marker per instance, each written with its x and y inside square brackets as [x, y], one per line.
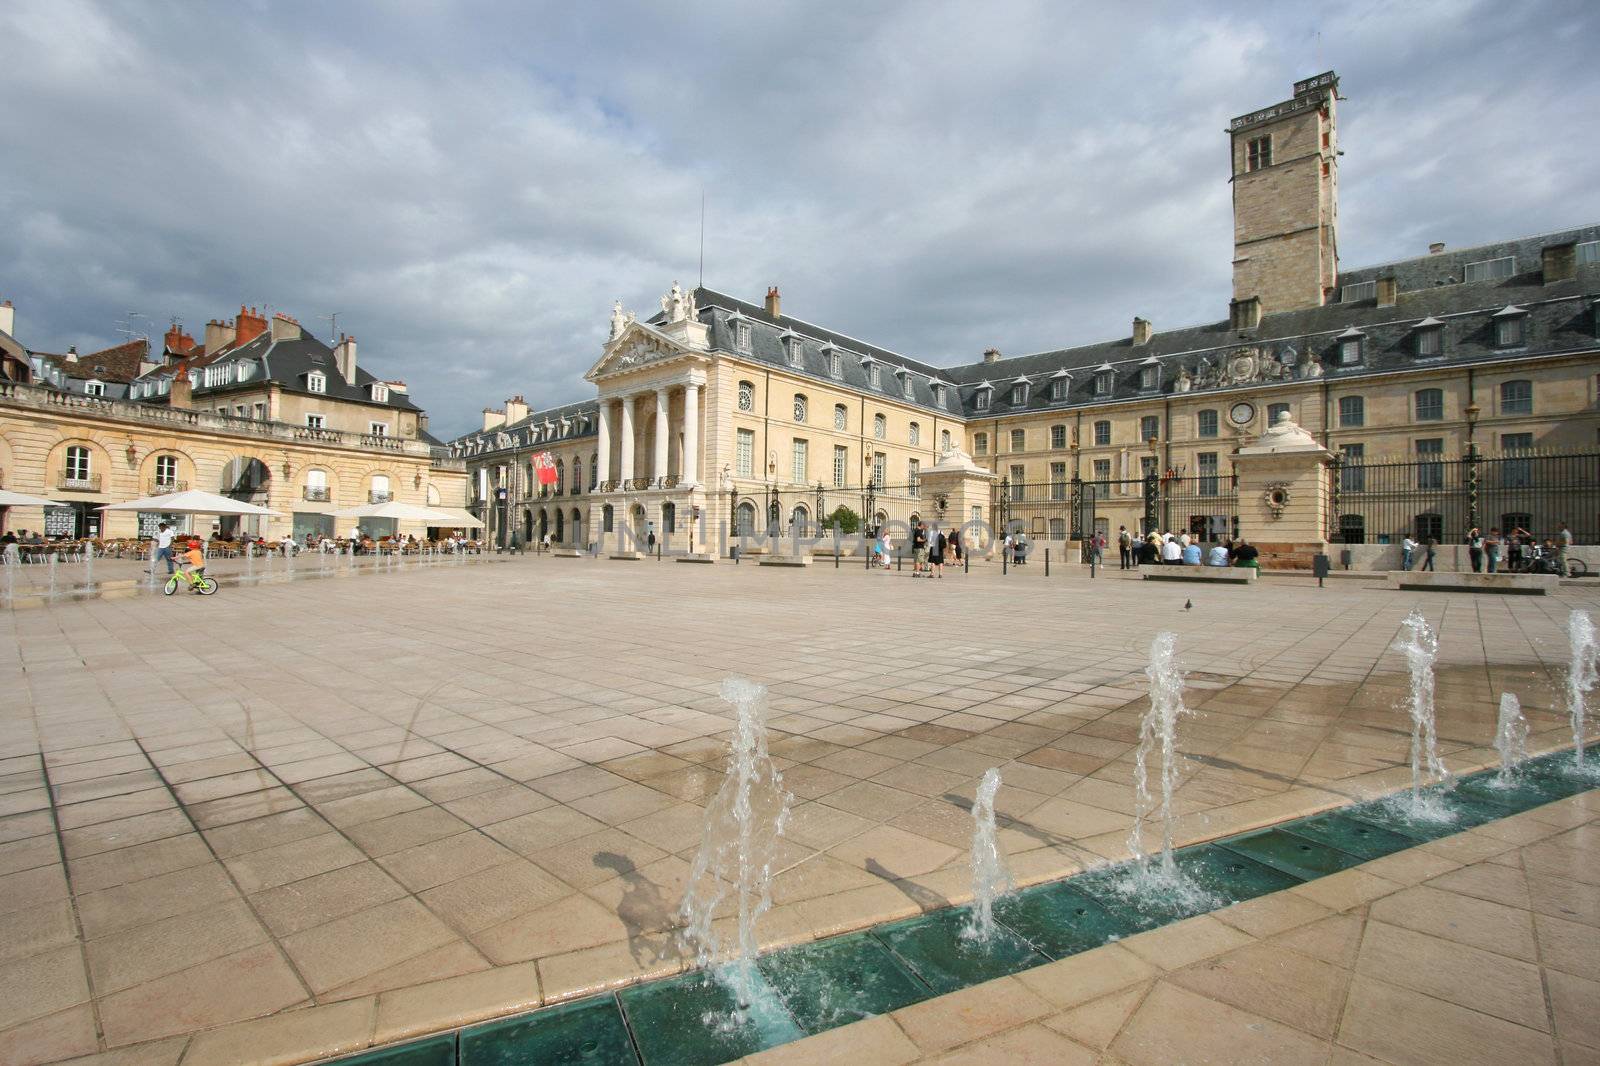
[1472, 412]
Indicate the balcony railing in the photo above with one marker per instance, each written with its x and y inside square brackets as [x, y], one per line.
[86, 483]
[316, 495]
[375, 496]
[158, 487]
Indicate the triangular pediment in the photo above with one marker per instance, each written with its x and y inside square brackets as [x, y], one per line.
[636, 346]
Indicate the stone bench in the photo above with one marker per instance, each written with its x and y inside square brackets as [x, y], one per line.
[566, 553]
[697, 557]
[630, 556]
[1455, 581]
[1218, 575]
[785, 560]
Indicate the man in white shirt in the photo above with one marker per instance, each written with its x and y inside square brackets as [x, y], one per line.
[1408, 548]
[164, 547]
[1171, 551]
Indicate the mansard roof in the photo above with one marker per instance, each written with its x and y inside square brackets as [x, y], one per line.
[288, 363]
[582, 420]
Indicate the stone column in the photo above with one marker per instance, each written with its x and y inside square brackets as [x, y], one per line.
[602, 462]
[1283, 496]
[659, 467]
[625, 443]
[691, 434]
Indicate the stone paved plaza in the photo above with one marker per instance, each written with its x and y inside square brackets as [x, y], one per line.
[301, 818]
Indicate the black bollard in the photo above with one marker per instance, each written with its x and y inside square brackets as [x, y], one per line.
[1047, 562]
[966, 562]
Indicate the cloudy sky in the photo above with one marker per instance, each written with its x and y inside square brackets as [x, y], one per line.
[470, 185]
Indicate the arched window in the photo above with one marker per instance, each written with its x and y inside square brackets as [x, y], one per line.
[167, 473]
[944, 440]
[746, 519]
[1516, 397]
[380, 489]
[880, 426]
[577, 475]
[561, 476]
[841, 417]
[607, 519]
[747, 396]
[916, 435]
[594, 471]
[799, 407]
[800, 520]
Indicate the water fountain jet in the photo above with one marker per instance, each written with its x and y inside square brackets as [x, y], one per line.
[1159, 727]
[991, 877]
[1510, 740]
[1582, 676]
[1421, 647]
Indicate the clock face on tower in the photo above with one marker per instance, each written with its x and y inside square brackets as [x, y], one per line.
[1242, 413]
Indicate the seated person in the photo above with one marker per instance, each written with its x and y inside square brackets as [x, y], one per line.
[192, 564]
[1247, 555]
[1171, 551]
[1191, 553]
[1217, 556]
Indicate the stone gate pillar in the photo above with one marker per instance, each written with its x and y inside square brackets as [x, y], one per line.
[956, 486]
[1283, 495]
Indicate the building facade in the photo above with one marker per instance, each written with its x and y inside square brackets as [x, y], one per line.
[261, 412]
[716, 413]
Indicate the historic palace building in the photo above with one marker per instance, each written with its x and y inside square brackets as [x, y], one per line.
[260, 411]
[1457, 375]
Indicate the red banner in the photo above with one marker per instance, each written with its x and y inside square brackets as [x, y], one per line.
[544, 468]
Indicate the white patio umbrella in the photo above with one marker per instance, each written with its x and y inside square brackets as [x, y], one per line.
[457, 517]
[403, 512]
[192, 501]
[22, 499]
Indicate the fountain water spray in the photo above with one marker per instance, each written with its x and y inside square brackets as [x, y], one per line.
[1582, 676]
[738, 847]
[991, 877]
[88, 566]
[53, 558]
[1159, 725]
[1510, 740]
[1421, 647]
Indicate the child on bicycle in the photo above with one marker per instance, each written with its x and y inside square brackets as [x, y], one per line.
[193, 565]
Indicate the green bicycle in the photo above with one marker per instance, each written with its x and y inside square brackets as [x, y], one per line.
[202, 584]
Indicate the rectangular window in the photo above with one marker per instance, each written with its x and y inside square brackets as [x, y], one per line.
[1206, 423]
[741, 337]
[1589, 252]
[1102, 434]
[874, 376]
[841, 464]
[1353, 476]
[1058, 481]
[1352, 412]
[1430, 341]
[980, 400]
[744, 451]
[1516, 398]
[1147, 466]
[261, 412]
[980, 444]
[1430, 405]
[315, 421]
[1350, 351]
[1058, 389]
[1430, 465]
[1017, 475]
[1019, 440]
[239, 411]
[1149, 427]
[913, 474]
[316, 383]
[907, 388]
[94, 388]
[1208, 473]
[835, 365]
[880, 468]
[1516, 471]
[1058, 436]
[799, 468]
[1509, 331]
[1102, 475]
[1274, 410]
[166, 470]
[77, 464]
[1490, 269]
[1102, 383]
[1357, 291]
[1516, 442]
[1258, 153]
[1149, 377]
[378, 429]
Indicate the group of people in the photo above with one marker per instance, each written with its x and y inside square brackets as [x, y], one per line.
[1181, 549]
[1519, 550]
[21, 536]
[930, 549]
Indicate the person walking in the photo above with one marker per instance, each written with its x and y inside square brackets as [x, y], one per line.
[1491, 549]
[919, 549]
[1125, 547]
[1563, 547]
[164, 547]
[953, 545]
[1475, 549]
[1408, 548]
[1427, 553]
[937, 545]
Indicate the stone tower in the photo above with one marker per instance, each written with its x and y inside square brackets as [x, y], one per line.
[1286, 203]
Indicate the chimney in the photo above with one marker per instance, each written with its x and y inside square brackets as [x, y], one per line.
[1244, 314]
[493, 419]
[516, 409]
[1560, 262]
[248, 326]
[285, 328]
[72, 353]
[991, 355]
[344, 357]
[1141, 331]
[182, 390]
[219, 335]
[774, 302]
[1388, 291]
[177, 341]
[8, 318]
[1436, 248]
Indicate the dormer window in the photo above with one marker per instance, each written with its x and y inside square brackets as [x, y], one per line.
[907, 389]
[741, 334]
[243, 370]
[1428, 338]
[937, 388]
[94, 388]
[1150, 374]
[1059, 383]
[1350, 342]
[1019, 392]
[380, 392]
[1510, 327]
[1490, 269]
[835, 363]
[316, 381]
[875, 375]
[792, 349]
[980, 398]
[1104, 378]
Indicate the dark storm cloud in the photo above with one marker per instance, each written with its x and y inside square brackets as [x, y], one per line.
[471, 185]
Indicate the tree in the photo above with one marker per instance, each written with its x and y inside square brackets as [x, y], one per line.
[843, 517]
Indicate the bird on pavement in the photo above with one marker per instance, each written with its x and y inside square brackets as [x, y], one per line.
[1188, 604]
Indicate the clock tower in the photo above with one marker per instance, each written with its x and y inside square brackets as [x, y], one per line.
[1286, 202]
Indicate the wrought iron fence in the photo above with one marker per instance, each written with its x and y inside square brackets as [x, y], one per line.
[1205, 506]
[1379, 502]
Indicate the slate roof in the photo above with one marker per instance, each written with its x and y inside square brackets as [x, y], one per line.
[288, 363]
[119, 363]
[582, 421]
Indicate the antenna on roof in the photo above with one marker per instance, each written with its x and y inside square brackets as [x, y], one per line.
[333, 325]
[129, 329]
